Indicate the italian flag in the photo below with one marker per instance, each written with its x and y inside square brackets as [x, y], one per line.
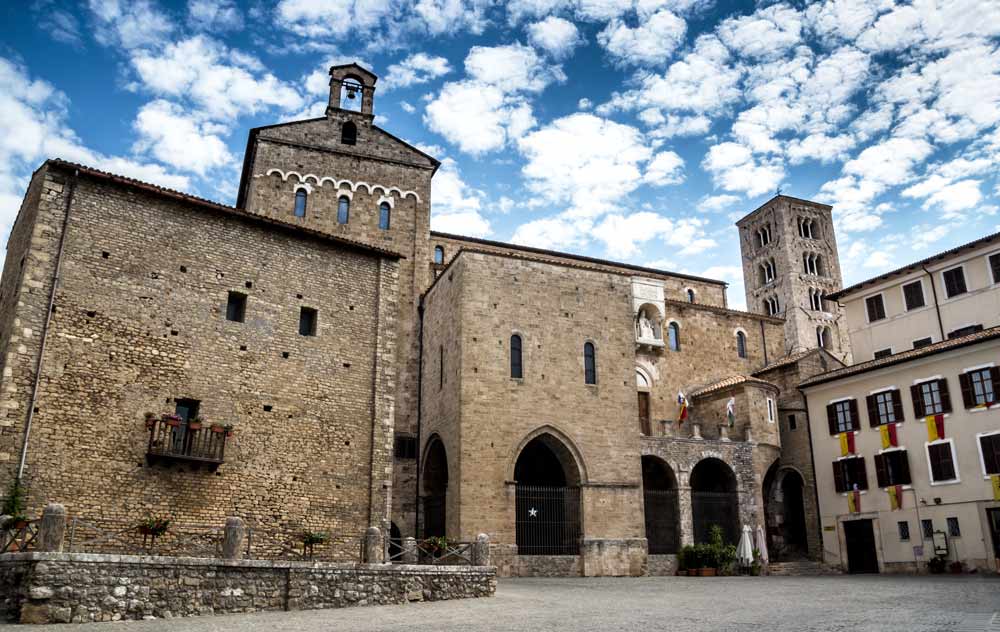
[889, 438]
[854, 501]
[935, 427]
[846, 443]
[895, 496]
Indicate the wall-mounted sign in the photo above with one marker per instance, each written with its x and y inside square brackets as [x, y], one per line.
[830, 527]
[940, 543]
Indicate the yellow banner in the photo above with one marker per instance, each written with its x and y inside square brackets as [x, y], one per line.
[884, 432]
[852, 502]
[893, 497]
[996, 486]
[932, 429]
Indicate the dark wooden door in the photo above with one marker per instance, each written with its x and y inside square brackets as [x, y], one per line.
[860, 538]
[993, 515]
[644, 425]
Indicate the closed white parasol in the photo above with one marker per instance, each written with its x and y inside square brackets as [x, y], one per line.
[744, 552]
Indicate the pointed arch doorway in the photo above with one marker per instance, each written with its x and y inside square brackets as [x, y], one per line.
[547, 494]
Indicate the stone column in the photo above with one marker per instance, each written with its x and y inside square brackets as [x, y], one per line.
[685, 516]
[409, 550]
[52, 528]
[373, 546]
[232, 539]
[481, 550]
[695, 430]
[723, 432]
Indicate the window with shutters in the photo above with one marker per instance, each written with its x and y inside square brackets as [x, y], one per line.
[930, 398]
[885, 407]
[989, 453]
[904, 530]
[875, 307]
[850, 472]
[843, 416]
[941, 457]
[995, 267]
[913, 295]
[892, 468]
[516, 369]
[922, 342]
[954, 282]
[927, 526]
[964, 331]
[883, 353]
[978, 386]
[589, 364]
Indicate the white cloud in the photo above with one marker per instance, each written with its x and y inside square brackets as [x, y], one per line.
[179, 139]
[955, 197]
[716, 203]
[449, 16]
[414, 70]
[129, 23]
[844, 19]
[673, 125]
[734, 168]
[665, 168]
[407, 107]
[223, 83]
[553, 233]
[890, 162]
[59, 23]
[478, 117]
[766, 34]
[652, 42]
[584, 104]
[556, 36]
[457, 206]
[214, 15]
[512, 68]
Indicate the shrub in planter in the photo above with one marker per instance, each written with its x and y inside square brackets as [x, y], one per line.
[936, 565]
[310, 539]
[196, 423]
[956, 568]
[14, 505]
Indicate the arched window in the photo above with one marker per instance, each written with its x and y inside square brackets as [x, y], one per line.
[384, 213]
[343, 210]
[674, 337]
[516, 368]
[690, 295]
[589, 364]
[349, 134]
[741, 344]
[351, 94]
[438, 255]
[300, 203]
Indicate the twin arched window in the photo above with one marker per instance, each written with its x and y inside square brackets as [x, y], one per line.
[300, 202]
[589, 363]
[741, 344]
[343, 210]
[674, 337]
[384, 215]
[516, 365]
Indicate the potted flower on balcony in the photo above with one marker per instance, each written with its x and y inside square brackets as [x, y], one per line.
[309, 541]
[150, 419]
[217, 428]
[196, 423]
[172, 420]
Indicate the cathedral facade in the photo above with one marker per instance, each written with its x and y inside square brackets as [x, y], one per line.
[591, 417]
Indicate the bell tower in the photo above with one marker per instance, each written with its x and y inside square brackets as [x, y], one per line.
[350, 84]
[790, 265]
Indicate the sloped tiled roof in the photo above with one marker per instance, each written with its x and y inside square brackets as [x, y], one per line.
[793, 358]
[221, 208]
[899, 358]
[729, 382]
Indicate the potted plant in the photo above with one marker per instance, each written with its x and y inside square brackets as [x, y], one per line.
[229, 429]
[150, 419]
[14, 506]
[196, 423]
[755, 564]
[436, 545]
[709, 560]
[936, 565]
[172, 420]
[310, 539]
[691, 560]
[956, 567]
[153, 527]
[682, 561]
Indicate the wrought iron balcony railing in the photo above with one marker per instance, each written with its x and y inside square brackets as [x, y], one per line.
[177, 441]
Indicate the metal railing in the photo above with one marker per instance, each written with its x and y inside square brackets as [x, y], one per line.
[430, 551]
[548, 520]
[18, 537]
[173, 439]
[661, 517]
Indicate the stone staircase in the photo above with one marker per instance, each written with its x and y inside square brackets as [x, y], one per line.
[801, 568]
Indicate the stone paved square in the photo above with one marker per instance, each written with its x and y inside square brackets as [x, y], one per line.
[777, 604]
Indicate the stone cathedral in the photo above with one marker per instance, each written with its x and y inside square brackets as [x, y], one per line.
[315, 358]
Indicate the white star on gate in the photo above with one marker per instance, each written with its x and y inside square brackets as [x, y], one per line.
[532, 512]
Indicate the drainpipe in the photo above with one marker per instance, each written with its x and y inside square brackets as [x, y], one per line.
[812, 461]
[937, 306]
[45, 328]
[420, 392]
[763, 338]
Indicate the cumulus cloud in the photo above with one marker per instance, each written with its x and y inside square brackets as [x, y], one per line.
[457, 206]
[717, 203]
[734, 168]
[556, 36]
[129, 23]
[651, 42]
[765, 34]
[416, 69]
[179, 139]
[214, 15]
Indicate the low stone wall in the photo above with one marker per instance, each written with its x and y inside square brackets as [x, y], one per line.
[79, 587]
[547, 566]
[662, 565]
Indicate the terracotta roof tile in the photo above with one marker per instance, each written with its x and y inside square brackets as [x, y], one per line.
[733, 380]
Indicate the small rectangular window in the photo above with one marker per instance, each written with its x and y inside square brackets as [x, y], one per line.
[885, 407]
[964, 331]
[989, 446]
[904, 530]
[954, 282]
[928, 528]
[892, 468]
[876, 308]
[953, 529]
[236, 307]
[930, 398]
[913, 295]
[923, 342]
[405, 447]
[843, 416]
[883, 353]
[942, 462]
[995, 267]
[979, 387]
[791, 422]
[770, 410]
[307, 321]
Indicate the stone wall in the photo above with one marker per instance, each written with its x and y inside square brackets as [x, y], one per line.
[78, 588]
[140, 320]
[662, 565]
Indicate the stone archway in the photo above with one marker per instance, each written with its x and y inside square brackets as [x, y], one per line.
[714, 500]
[435, 487]
[784, 509]
[547, 520]
[660, 507]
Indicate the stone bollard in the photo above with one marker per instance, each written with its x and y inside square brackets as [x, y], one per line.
[52, 528]
[4, 534]
[695, 430]
[481, 550]
[723, 432]
[409, 551]
[232, 539]
[373, 546]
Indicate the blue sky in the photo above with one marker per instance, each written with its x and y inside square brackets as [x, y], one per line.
[636, 130]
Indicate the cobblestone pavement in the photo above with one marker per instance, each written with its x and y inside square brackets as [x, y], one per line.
[778, 604]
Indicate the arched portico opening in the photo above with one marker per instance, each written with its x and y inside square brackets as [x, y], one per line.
[547, 498]
[784, 508]
[714, 500]
[435, 484]
[395, 542]
[659, 489]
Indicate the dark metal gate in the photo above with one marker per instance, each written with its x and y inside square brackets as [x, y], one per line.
[434, 515]
[661, 520]
[721, 508]
[548, 520]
